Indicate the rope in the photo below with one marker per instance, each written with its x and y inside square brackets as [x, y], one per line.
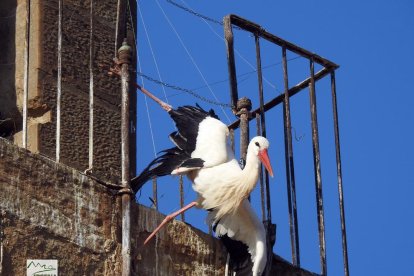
[190, 56]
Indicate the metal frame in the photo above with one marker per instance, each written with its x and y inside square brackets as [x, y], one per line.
[259, 113]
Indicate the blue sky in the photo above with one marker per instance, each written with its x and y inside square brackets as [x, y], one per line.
[373, 43]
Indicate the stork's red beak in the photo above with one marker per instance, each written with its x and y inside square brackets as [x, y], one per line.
[264, 157]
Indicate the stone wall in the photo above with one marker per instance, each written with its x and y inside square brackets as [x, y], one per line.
[53, 211]
[42, 88]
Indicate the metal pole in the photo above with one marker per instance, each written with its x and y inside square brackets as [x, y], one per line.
[290, 174]
[262, 121]
[228, 34]
[280, 98]
[244, 105]
[124, 57]
[181, 187]
[262, 188]
[91, 88]
[155, 193]
[339, 174]
[59, 82]
[317, 170]
[26, 75]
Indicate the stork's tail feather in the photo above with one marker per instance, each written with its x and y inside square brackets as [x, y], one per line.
[160, 166]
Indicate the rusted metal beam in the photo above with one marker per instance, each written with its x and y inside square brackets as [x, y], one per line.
[121, 24]
[181, 188]
[244, 105]
[339, 175]
[260, 31]
[290, 172]
[228, 35]
[261, 175]
[317, 171]
[280, 98]
[124, 57]
[155, 193]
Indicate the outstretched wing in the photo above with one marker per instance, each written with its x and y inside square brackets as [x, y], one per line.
[201, 134]
[165, 164]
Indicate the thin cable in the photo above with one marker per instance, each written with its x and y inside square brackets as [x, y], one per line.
[152, 52]
[190, 56]
[237, 52]
[142, 80]
[148, 113]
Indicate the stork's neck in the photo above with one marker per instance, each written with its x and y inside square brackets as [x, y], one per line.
[250, 173]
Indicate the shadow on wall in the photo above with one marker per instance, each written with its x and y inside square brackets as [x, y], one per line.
[10, 117]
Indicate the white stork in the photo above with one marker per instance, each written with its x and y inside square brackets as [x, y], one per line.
[202, 152]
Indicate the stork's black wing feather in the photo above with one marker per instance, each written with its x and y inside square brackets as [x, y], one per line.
[240, 258]
[164, 165]
[187, 119]
[160, 166]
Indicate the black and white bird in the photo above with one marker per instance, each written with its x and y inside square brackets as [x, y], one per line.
[202, 152]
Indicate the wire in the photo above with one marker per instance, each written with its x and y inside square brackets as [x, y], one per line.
[188, 91]
[142, 80]
[236, 51]
[152, 51]
[191, 57]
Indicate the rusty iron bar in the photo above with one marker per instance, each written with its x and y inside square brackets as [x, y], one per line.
[339, 175]
[244, 105]
[317, 170]
[120, 24]
[261, 180]
[290, 172]
[232, 145]
[91, 87]
[270, 228]
[181, 187]
[262, 121]
[124, 57]
[26, 75]
[228, 35]
[257, 29]
[155, 193]
[59, 82]
[280, 98]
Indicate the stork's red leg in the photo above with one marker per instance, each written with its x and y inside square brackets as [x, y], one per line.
[169, 218]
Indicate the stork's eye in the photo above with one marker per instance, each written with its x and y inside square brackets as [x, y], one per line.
[257, 144]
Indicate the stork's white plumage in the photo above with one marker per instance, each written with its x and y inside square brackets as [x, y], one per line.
[203, 153]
